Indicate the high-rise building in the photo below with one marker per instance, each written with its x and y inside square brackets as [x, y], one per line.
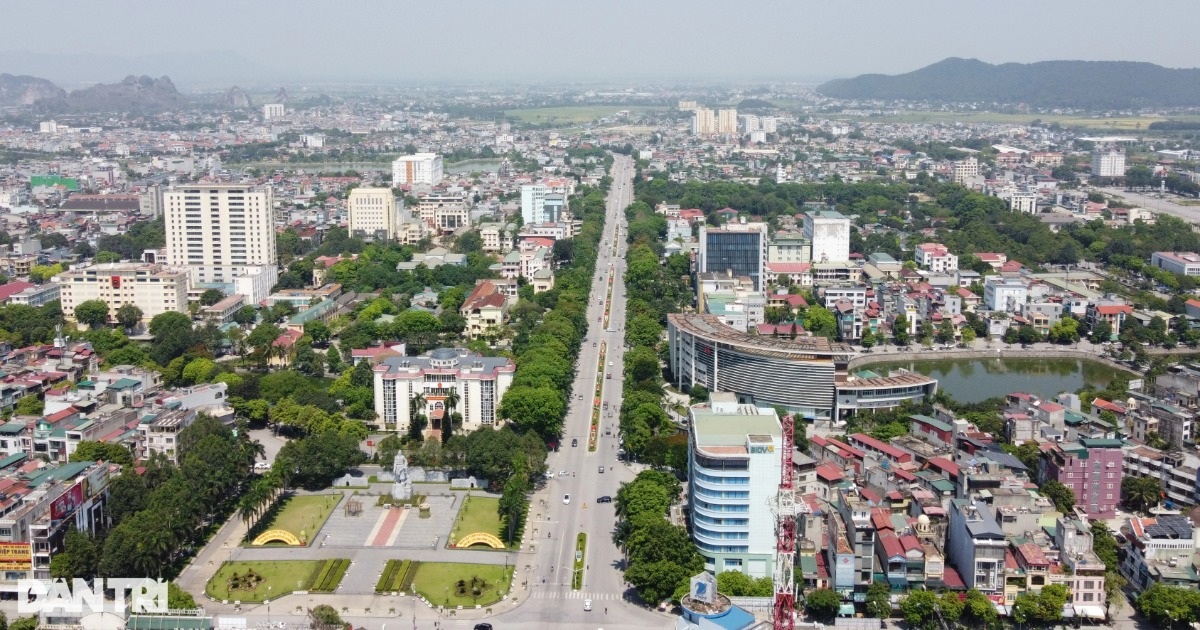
[533, 203]
[223, 234]
[829, 233]
[739, 249]
[152, 288]
[273, 110]
[375, 214]
[1108, 162]
[420, 168]
[445, 212]
[734, 464]
[727, 122]
[704, 122]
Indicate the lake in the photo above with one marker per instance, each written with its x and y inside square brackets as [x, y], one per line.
[973, 380]
[471, 166]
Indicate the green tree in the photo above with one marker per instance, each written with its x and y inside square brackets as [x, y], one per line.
[129, 316]
[1062, 496]
[968, 335]
[211, 296]
[199, 370]
[1169, 606]
[919, 609]
[318, 331]
[820, 322]
[173, 335]
[879, 600]
[93, 313]
[326, 617]
[945, 331]
[979, 611]
[1102, 331]
[109, 452]
[537, 409]
[29, 405]
[1141, 492]
[900, 329]
[822, 604]
[179, 599]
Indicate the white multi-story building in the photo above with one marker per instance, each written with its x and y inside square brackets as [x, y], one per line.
[444, 212]
[1108, 162]
[727, 122]
[1021, 200]
[966, 170]
[1004, 294]
[152, 288]
[479, 381]
[222, 233]
[533, 203]
[37, 295]
[273, 110]
[829, 234]
[733, 466]
[935, 257]
[420, 168]
[375, 214]
[704, 122]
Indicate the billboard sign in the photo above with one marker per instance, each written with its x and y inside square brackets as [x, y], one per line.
[16, 556]
[66, 504]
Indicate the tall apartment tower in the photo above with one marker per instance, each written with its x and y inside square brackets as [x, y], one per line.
[375, 214]
[223, 234]
[420, 168]
[727, 122]
[273, 110]
[704, 122]
[533, 203]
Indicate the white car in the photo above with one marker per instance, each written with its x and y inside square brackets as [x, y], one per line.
[587, 604]
[566, 499]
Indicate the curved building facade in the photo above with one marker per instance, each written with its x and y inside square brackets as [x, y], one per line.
[799, 375]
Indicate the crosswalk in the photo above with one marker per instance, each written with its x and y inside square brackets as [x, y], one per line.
[596, 597]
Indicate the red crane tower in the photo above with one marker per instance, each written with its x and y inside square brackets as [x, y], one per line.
[784, 508]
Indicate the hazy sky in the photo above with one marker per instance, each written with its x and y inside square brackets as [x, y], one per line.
[534, 40]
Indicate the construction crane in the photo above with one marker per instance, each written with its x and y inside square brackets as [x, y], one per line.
[783, 506]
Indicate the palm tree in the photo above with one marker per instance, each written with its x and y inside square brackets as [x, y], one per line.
[414, 406]
[452, 399]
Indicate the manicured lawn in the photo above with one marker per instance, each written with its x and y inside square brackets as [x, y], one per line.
[279, 578]
[438, 582]
[478, 514]
[394, 574]
[580, 560]
[305, 513]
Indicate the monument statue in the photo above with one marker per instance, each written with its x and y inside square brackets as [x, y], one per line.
[401, 482]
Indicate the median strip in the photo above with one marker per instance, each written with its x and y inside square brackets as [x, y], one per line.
[580, 560]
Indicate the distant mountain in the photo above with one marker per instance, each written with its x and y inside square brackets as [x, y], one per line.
[205, 68]
[1075, 84]
[134, 94]
[26, 90]
[236, 98]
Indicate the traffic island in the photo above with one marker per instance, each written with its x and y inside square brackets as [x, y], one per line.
[594, 424]
[580, 562]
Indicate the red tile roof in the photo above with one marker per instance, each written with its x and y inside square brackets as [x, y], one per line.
[12, 288]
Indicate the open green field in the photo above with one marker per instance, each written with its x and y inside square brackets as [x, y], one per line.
[438, 582]
[1123, 123]
[302, 513]
[478, 514]
[276, 578]
[571, 115]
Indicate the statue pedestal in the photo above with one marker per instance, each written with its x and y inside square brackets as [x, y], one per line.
[402, 484]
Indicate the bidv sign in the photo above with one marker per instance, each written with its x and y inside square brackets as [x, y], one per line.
[52, 597]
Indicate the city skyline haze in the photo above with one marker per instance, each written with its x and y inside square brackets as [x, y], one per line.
[532, 41]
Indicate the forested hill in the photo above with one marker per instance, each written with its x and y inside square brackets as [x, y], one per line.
[1098, 85]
